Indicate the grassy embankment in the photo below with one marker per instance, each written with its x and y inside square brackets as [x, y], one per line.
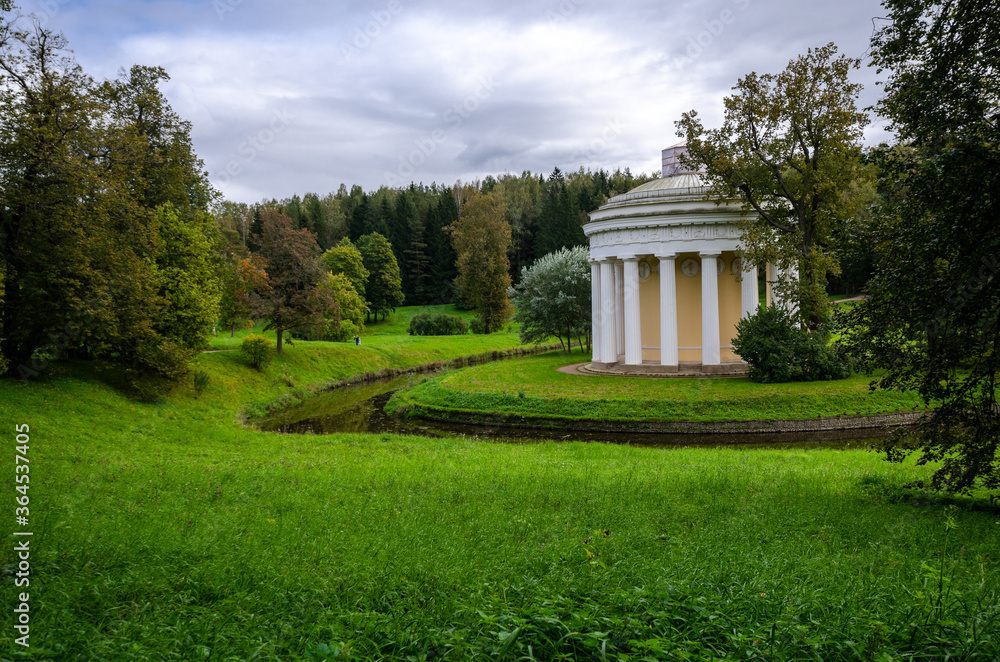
[168, 531]
[531, 388]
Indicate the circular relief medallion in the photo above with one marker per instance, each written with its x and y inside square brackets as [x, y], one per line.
[644, 270]
[737, 266]
[720, 266]
[690, 267]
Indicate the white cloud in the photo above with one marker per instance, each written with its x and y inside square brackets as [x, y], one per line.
[307, 96]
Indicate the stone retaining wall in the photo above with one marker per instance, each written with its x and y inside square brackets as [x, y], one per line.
[819, 424]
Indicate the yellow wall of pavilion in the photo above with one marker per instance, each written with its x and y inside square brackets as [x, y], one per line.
[689, 310]
[649, 299]
[730, 306]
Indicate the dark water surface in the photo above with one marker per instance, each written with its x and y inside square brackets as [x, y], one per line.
[359, 409]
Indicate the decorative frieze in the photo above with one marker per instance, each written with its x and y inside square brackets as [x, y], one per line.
[645, 235]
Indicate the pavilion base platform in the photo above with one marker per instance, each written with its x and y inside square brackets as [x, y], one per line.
[653, 369]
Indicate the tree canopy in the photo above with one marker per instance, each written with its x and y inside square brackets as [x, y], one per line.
[931, 319]
[553, 298]
[294, 299]
[481, 238]
[789, 148]
[345, 258]
[105, 248]
[383, 292]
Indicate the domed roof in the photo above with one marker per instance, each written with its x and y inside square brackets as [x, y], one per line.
[687, 185]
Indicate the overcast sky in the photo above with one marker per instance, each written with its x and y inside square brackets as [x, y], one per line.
[301, 96]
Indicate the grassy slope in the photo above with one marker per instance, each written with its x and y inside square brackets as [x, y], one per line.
[169, 532]
[532, 387]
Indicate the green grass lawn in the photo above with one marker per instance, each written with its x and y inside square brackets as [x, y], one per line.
[532, 387]
[170, 532]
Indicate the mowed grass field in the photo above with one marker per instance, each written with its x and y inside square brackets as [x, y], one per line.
[532, 387]
[171, 532]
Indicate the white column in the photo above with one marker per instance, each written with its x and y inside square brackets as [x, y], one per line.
[595, 310]
[619, 309]
[710, 351]
[632, 319]
[668, 310]
[607, 312]
[749, 296]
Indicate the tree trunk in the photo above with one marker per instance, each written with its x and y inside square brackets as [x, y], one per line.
[232, 334]
[279, 332]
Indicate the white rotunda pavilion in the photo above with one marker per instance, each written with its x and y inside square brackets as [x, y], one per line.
[664, 265]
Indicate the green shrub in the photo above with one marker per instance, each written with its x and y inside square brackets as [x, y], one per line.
[437, 324]
[777, 349]
[477, 326]
[258, 350]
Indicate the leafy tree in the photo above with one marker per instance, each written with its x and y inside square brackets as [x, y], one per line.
[294, 299]
[345, 258]
[105, 247]
[242, 275]
[789, 148]
[347, 318]
[553, 298]
[383, 291]
[51, 205]
[186, 277]
[931, 319]
[165, 168]
[352, 306]
[481, 238]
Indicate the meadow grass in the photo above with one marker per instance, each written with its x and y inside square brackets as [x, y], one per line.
[390, 331]
[532, 387]
[170, 532]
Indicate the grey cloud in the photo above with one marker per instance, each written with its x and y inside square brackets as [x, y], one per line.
[564, 69]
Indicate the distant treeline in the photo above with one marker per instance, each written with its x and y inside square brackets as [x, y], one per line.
[545, 214]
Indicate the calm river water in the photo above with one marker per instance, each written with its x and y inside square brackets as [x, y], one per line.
[359, 409]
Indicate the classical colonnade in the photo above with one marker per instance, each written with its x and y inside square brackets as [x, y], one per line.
[617, 317]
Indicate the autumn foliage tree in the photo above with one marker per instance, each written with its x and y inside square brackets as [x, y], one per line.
[481, 238]
[243, 277]
[294, 299]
